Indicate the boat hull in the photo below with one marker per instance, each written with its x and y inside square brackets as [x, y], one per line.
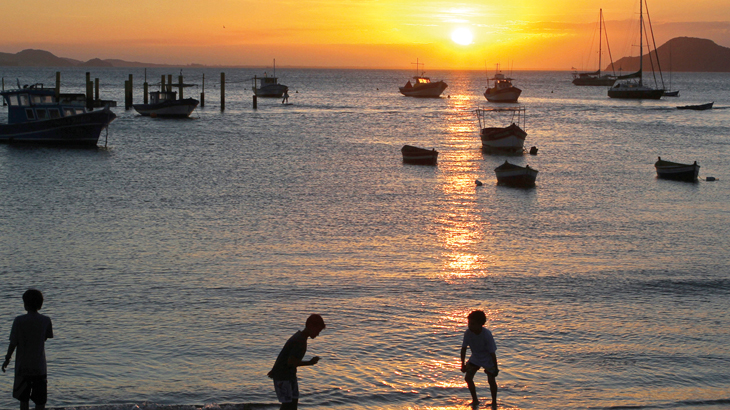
[77, 130]
[432, 90]
[676, 171]
[419, 156]
[504, 95]
[514, 175]
[635, 93]
[604, 81]
[271, 91]
[509, 139]
[174, 109]
[699, 107]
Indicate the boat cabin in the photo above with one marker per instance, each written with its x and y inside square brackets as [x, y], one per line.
[35, 103]
[157, 97]
[422, 80]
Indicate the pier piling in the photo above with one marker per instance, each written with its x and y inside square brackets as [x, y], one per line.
[202, 93]
[89, 92]
[58, 85]
[223, 91]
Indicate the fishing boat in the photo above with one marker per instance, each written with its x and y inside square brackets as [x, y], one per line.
[268, 87]
[595, 78]
[676, 171]
[419, 156]
[502, 91]
[166, 104]
[698, 107]
[509, 139]
[634, 87]
[36, 116]
[422, 87]
[515, 175]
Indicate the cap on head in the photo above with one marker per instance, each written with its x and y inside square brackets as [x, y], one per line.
[315, 321]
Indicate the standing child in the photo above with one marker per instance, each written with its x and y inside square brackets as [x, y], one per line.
[284, 371]
[29, 334]
[480, 341]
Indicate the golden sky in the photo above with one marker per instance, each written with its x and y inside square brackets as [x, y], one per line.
[524, 34]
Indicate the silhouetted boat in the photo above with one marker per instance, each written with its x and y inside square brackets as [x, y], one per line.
[422, 86]
[671, 93]
[268, 87]
[595, 78]
[676, 171]
[515, 175]
[419, 156]
[166, 104]
[509, 139]
[503, 91]
[698, 107]
[635, 88]
[36, 116]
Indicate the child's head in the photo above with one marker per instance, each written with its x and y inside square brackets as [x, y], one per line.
[33, 299]
[314, 325]
[477, 318]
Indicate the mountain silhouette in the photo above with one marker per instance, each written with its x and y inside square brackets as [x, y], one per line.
[681, 54]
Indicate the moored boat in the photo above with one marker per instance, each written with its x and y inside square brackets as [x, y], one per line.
[419, 156]
[676, 171]
[502, 91]
[166, 104]
[36, 116]
[268, 87]
[422, 87]
[596, 78]
[509, 139]
[515, 175]
[698, 107]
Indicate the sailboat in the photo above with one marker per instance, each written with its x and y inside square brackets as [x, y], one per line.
[634, 88]
[595, 77]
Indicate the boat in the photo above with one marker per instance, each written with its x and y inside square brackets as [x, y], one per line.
[634, 87]
[419, 156]
[515, 175]
[166, 104]
[671, 93]
[269, 87]
[509, 139]
[676, 171]
[698, 107]
[422, 87]
[503, 91]
[36, 116]
[595, 78]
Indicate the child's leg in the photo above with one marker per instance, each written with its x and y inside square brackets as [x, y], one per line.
[493, 388]
[24, 405]
[471, 370]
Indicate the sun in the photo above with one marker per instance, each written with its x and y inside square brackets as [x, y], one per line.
[462, 36]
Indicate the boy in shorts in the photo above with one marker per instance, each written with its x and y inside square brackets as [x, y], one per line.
[29, 334]
[480, 341]
[284, 371]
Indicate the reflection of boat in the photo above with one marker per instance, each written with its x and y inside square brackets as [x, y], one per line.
[697, 107]
[635, 88]
[419, 156]
[268, 86]
[509, 139]
[595, 78]
[503, 90]
[515, 175]
[36, 116]
[422, 86]
[166, 104]
[676, 171]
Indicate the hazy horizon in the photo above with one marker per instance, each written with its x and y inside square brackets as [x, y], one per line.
[524, 35]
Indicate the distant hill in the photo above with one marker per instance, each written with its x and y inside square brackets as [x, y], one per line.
[682, 54]
[41, 58]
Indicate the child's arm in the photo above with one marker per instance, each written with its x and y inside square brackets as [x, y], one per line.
[11, 349]
[463, 357]
[293, 361]
[494, 359]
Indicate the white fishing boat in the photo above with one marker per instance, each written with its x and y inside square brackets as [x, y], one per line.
[502, 90]
[422, 86]
[505, 139]
[268, 87]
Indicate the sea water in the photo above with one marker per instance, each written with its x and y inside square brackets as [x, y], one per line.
[178, 258]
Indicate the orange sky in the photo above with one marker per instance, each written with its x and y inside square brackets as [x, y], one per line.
[524, 34]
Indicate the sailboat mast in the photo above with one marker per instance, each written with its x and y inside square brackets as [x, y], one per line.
[600, 39]
[641, 41]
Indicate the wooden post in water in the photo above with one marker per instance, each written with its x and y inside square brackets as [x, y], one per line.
[58, 85]
[169, 82]
[146, 88]
[96, 89]
[162, 83]
[131, 91]
[127, 92]
[202, 93]
[4, 103]
[255, 102]
[180, 85]
[223, 91]
[89, 92]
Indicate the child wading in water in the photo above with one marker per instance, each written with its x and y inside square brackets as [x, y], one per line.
[480, 341]
[29, 334]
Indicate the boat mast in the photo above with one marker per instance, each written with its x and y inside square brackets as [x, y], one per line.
[641, 42]
[600, 39]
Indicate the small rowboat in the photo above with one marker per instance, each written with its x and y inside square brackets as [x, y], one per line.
[676, 171]
[515, 175]
[419, 156]
[698, 107]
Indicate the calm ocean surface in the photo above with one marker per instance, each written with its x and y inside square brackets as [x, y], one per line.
[176, 261]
